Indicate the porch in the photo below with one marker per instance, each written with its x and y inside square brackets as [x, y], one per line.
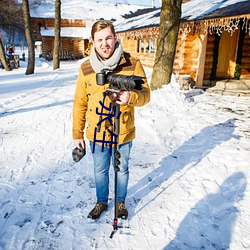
[231, 87]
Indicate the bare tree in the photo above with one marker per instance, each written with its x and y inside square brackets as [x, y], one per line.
[11, 17]
[11, 24]
[28, 33]
[56, 59]
[168, 34]
[3, 57]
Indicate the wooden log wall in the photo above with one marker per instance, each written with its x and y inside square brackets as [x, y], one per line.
[178, 61]
[186, 55]
[131, 46]
[66, 44]
[50, 22]
[79, 46]
[245, 60]
[209, 58]
[210, 72]
[47, 45]
[73, 45]
[185, 59]
[146, 59]
[190, 56]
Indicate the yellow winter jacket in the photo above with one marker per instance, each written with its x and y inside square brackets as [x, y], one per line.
[88, 96]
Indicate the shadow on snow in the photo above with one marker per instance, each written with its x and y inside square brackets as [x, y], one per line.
[189, 155]
[210, 223]
[23, 110]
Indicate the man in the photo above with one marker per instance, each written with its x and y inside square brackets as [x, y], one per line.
[107, 54]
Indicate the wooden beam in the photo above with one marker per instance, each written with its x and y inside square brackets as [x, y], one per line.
[201, 60]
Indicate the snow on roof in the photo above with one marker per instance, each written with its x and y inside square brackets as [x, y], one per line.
[197, 9]
[192, 10]
[79, 32]
[85, 10]
[145, 20]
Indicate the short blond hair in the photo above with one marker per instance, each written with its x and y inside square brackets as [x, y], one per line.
[100, 25]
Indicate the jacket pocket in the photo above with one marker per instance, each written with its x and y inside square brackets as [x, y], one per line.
[127, 120]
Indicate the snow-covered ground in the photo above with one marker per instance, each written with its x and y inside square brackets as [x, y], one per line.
[189, 170]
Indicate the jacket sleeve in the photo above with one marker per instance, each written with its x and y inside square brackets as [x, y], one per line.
[80, 105]
[141, 97]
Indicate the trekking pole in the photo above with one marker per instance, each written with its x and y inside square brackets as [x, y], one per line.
[117, 156]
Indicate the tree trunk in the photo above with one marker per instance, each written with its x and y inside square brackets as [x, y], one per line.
[168, 34]
[56, 59]
[28, 33]
[3, 57]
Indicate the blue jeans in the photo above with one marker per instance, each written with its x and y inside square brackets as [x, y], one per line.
[102, 162]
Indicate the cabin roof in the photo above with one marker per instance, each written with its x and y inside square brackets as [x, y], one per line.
[77, 32]
[193, 10]
[208, 9]
[85, 10]
[140, 21]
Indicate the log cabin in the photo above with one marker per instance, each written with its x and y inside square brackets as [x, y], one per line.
[77, 17]
[74, 37]
[213, 41]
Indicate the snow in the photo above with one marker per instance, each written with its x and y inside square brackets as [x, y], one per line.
[84, 33]
[192, 10]
[92, 10]
[189, 169]
[197, 9]
[155, 3]
[86, 10]
[145, 20]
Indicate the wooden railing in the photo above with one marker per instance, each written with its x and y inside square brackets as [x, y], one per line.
[63, 55]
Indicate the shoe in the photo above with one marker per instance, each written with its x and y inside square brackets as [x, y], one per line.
[97, 210]
[122, 211]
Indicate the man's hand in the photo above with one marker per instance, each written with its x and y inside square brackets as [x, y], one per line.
[79, 151]
[79, 143]
[123, 97]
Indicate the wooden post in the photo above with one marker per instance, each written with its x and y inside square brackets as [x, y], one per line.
[201, 60]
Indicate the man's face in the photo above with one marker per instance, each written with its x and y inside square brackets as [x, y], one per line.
[104, 42]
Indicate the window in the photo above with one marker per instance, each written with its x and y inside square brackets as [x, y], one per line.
[146, 45]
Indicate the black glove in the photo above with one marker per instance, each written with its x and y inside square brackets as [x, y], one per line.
[78, 153]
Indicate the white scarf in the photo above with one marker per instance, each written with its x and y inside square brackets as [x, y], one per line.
[98, 64]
